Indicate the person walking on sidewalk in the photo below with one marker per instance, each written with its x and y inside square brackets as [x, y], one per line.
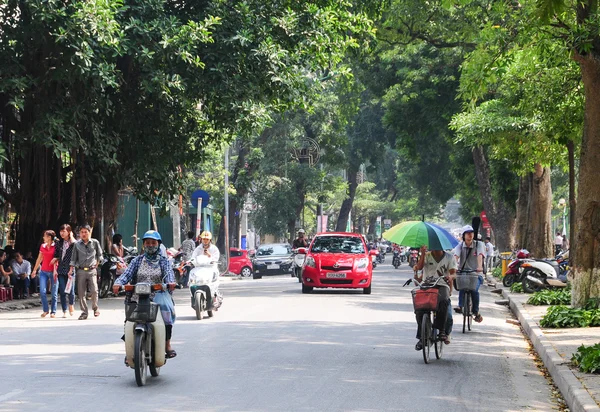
[470, 254]
[87, 255]
[489, 255]
[45, 259]
[62, 257]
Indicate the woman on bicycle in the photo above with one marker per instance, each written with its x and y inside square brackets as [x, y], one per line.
[470, 254]
[435, 264]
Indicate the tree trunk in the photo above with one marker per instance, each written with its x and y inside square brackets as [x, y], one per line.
[539, 240]
[586, 259]
[500, 216]
[342, 221]
[572, 195]
[522, 212]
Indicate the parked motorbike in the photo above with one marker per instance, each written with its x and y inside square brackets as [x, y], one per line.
[145, 332]
[396, 259]
[297, 266]
[513, 272]
[107, 274]
[204, 286]
[544, 273]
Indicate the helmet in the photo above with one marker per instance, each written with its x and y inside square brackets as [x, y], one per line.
[467, 228]
[522, 254]
[301, 231]
[206, 235]
[152, 234]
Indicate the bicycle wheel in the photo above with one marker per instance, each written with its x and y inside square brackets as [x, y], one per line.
[466, 311]
[437, 342]
[426, 335]
[470, 310]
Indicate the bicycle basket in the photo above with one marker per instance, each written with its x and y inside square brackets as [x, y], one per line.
[467, 281]
[141, 313]
[425, 299]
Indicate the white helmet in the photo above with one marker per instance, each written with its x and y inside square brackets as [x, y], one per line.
[301, 231]
[467, 228]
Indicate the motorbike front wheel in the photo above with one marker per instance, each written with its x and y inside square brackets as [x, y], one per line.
[105, 286]
[508, 280]
[154, 371]
[199, 305]
[139, 357]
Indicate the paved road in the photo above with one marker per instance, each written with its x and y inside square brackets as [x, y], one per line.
[272, 348]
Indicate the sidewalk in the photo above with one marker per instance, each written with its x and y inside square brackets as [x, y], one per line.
[19, 304]
[555, 347]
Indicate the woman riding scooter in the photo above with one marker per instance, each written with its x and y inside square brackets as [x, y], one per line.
[151, 267]
[207, 248]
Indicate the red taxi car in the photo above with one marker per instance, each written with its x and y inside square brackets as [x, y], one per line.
[337, 260]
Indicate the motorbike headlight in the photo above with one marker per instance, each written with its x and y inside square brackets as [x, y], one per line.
[310, 262]
[142, 288]
[362, 263]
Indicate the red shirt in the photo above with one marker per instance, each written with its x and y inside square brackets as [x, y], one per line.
[47, 256]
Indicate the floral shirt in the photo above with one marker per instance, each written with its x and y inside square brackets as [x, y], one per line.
[134, 266]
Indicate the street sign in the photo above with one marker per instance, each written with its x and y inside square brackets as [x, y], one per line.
[387, 223]
[484, 220]
[200, 194]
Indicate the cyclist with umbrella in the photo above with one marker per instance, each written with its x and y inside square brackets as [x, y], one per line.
[434, 264]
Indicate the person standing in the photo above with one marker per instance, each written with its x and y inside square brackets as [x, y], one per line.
[21, 270]
[489, 255]
[188, 246]
[44, 262]
[86, 257]
[62, 257]
[117, 248]
[470, 254]
[558, 242]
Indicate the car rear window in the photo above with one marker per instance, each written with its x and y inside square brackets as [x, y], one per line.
[267, 250]
[337, 244]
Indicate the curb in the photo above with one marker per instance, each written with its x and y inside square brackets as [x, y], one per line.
[19, 305]
[577, 398]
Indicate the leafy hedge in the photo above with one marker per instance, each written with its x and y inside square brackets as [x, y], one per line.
[587, 358]
[516, 287]
[497, 272]
[566, 317]
[551, 297]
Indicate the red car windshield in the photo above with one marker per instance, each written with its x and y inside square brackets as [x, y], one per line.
[337, 244]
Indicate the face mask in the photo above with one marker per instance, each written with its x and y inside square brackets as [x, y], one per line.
[150, 250]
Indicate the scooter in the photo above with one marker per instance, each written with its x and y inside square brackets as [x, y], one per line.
[107, 274]
[414, 258]
[204, 286]
[145, 331]
[374, 258]
[297, 267]
[396, 259]
[543, 273]
[513, 272]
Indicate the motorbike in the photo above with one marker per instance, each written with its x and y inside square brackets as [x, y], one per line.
[513, 272]
[107, 274]
[297, 266]
[539, 274]
[396, 259]
[145, 331]
[204, 286]
[381, 257]
[374, 258]
[414, 258]
[181, 270]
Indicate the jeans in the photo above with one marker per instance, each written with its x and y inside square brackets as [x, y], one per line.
[21, 287]
[474, 296]
[44, 277]
[62, 283]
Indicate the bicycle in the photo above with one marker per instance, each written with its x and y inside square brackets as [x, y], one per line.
[425, 299]
[467, 282]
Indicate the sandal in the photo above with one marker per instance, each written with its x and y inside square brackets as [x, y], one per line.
[96, 313]
[458, 309]
[53, 315]
[445, 338]
[83, 316]
[478, 318]
[171, 354]
[44, 314]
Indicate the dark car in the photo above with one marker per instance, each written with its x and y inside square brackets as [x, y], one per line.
[272, 259]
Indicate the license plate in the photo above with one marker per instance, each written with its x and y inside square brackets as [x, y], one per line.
[335, 275]
[273, 266]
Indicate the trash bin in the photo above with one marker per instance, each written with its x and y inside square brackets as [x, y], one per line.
[505, 257]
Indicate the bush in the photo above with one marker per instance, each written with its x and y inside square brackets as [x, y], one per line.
[516, 287]
[497, 272]
[551, 297]
[587, 358]
[567, 317]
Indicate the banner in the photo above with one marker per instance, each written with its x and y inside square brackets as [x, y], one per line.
[198, 217]
[322, 224]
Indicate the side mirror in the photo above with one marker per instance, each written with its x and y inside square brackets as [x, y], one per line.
[373, 252]
[301, 251]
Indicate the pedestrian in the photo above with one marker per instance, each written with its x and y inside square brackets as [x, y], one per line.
[47, 273]
[489, 255]
[470, 254]
[22, 270]
[558, 242]
[565, 243]
[86, 257]
[5, 274]
[62, 259]
[117, 248]
[188, 246]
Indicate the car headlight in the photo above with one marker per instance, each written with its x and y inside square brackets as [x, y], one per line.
[362, 263]
[310, 262]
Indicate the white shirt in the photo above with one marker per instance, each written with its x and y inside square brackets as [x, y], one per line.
[558, 240]
[212, 249]
[433, 268]
[21, 268]
[489, 248]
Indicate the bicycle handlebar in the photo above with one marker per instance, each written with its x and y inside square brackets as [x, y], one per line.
[427, 286]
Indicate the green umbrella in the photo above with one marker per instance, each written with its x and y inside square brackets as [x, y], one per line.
[417, 233]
